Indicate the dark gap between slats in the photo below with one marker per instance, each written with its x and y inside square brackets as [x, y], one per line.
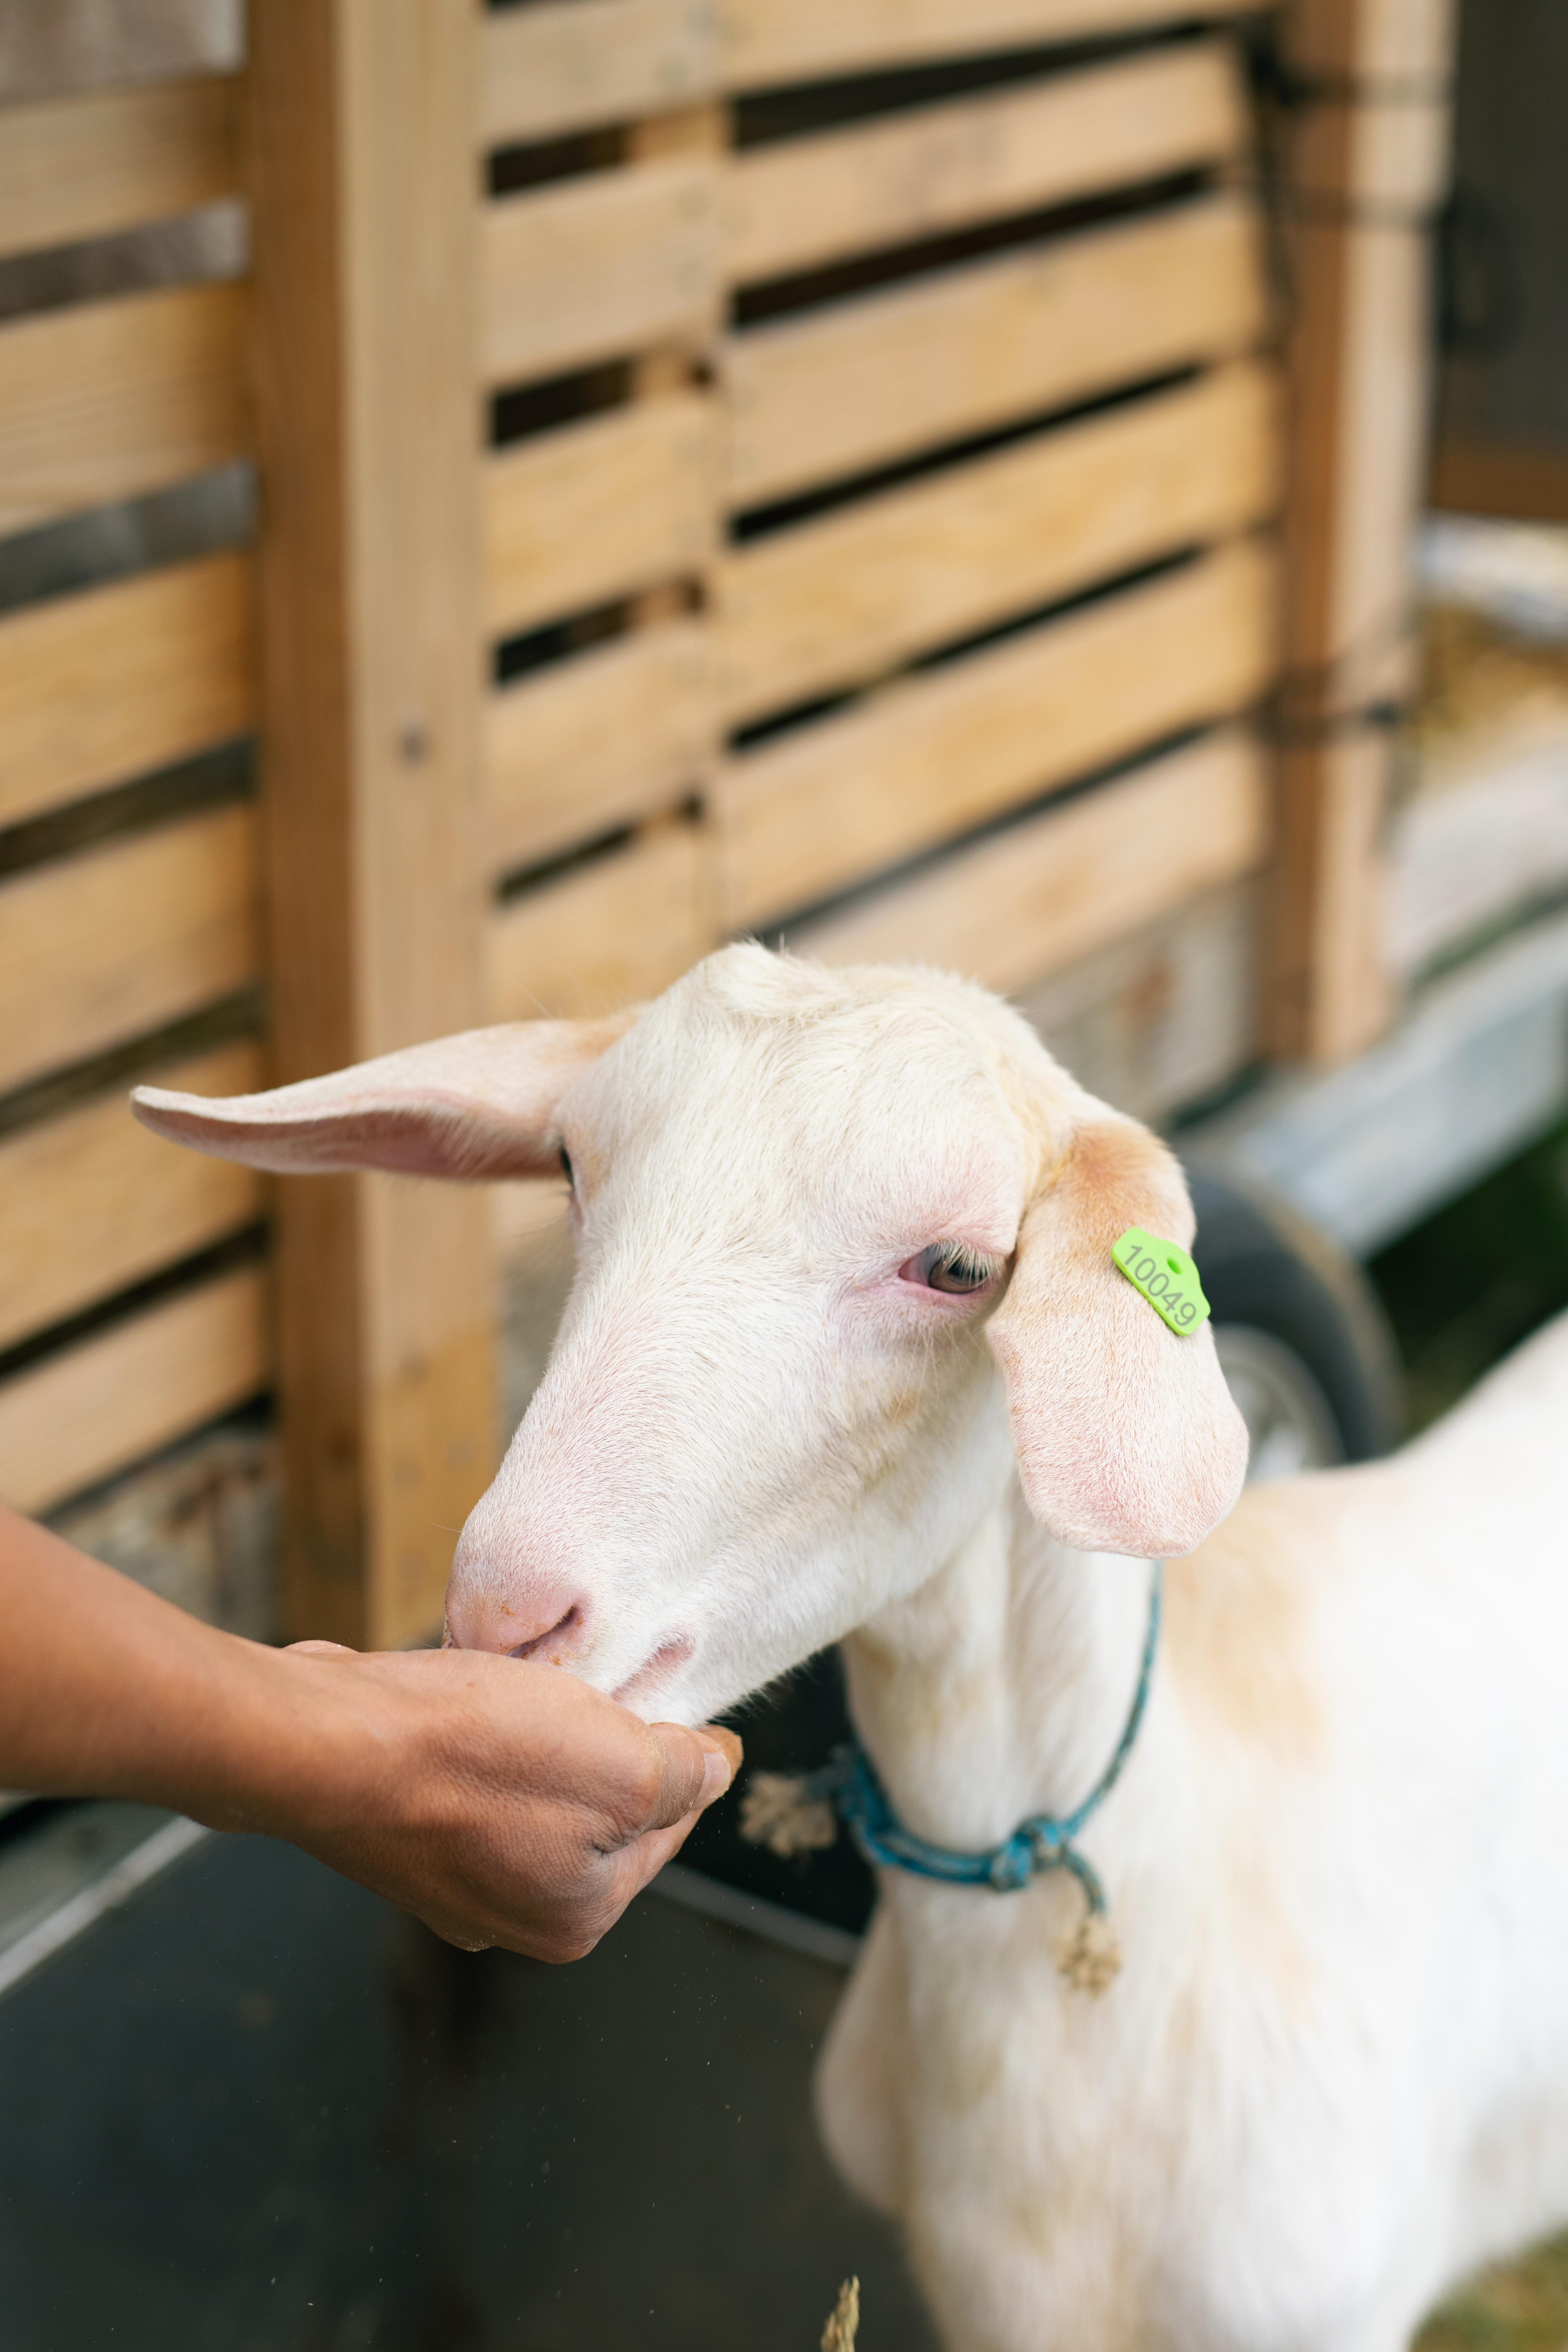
[544, 649]
[557, 641]
[893, 265]
[208, 514]
[246, 1248]
[944, 456]
[765, 117]
[528, 879]
[202, 248]
[239, 1016]
[775, 932]
[540, 162]
[777, 723]
[521, 411]
[211, 780]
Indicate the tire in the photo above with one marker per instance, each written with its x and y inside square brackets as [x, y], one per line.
[1305, 1346]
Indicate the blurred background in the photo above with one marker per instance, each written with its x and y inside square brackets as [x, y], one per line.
[496, 501]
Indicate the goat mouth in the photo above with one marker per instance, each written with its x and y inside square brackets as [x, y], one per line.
[641, 1688]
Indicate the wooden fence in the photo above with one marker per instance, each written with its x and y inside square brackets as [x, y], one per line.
[133, 1298]
[814, 473]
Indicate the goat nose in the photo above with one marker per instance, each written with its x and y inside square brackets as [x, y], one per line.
[549, 1626]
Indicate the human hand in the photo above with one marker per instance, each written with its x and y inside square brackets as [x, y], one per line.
[503, 1801]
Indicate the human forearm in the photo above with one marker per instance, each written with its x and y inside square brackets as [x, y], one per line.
[505, 1803]
[106, 1690]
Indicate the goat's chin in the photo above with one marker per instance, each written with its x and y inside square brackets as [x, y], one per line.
[656, 1691]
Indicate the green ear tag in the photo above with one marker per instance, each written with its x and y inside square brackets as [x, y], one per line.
[1167, 1277]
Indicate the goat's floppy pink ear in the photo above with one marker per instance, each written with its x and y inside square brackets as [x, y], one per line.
[1126, 1435]
[476, 1105]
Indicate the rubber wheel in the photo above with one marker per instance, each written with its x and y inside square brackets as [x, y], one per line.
[1305, 1346]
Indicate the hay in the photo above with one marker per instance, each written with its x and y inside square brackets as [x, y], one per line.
[777, 1813]
[839, 2336]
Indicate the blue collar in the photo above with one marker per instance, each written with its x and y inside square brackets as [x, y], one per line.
[1043, 1842]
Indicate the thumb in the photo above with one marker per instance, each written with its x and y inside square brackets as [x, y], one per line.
[696, 1767]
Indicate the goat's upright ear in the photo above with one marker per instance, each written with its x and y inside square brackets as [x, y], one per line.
[1127, 1438]
[478, 1105]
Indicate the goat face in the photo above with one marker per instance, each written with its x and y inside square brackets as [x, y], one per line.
[824, 1219]
[762, 1418]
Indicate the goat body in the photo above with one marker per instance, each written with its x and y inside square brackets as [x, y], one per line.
[1332, 2073]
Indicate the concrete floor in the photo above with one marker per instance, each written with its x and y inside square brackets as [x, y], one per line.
[259, 2110]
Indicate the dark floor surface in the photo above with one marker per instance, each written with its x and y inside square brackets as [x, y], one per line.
[260, 2112]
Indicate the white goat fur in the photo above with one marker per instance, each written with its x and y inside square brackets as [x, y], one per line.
[1333, 2073]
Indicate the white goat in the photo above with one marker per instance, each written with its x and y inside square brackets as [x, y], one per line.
[847, 1356]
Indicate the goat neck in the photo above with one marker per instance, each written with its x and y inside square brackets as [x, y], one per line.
[1000, 1687]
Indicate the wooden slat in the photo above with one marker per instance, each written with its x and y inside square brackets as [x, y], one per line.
[1073, 879]
[1167, 1016]
[78, 1417]
[81, 167]
[111, 399]
[362, 136]
[623, 927]
[91, 1202]
[577, 518]
[564, 66]
[596, 741]
[930, 757]
[866, 382]
[1365, 170]
[120, 680]
[598, 267]
[99, 948]
[835, 601]
[802, 202]
[800, 40]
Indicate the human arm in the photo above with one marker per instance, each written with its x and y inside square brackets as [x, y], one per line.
[504, 1803]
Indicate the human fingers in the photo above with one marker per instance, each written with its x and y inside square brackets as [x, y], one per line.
[642, 1859]
[689, 1770]
[502, 1802]
[694, 1767]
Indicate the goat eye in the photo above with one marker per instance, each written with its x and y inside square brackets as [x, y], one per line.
[949, 1266]
[566, 1165]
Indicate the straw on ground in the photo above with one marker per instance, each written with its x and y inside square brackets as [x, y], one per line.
[839, 2336]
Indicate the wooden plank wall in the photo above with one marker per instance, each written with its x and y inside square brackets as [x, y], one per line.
[133, 1280]
[876, 463]
[835, 502]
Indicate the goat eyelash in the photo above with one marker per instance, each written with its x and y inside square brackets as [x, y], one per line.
[952, 1266]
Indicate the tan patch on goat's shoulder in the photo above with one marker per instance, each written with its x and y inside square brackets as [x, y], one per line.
[1239, 1628]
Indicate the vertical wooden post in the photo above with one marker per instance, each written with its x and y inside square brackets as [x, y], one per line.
[364, 190]
[1367, 156]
